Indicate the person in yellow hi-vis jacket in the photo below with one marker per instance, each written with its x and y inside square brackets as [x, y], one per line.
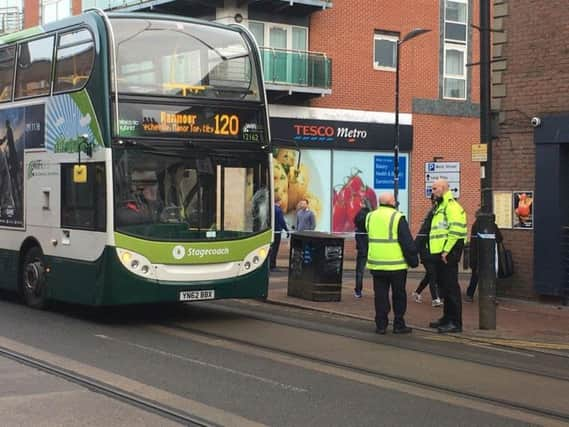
[446, 240]
[391, 250]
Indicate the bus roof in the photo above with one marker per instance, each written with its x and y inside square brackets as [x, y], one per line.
[96, 14]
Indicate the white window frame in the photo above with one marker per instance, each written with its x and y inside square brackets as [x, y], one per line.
[57, 3]
[267, 33]
[452, 44]
[389, 37]
[459, 48]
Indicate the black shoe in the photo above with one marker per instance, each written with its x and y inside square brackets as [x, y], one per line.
[449, 328]
[381, 331]
[435, 324]
[402, 330]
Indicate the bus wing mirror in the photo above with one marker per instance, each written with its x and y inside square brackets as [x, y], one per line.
[80, 170]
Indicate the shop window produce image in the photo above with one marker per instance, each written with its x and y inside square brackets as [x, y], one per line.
[348, 199]
[303, 175]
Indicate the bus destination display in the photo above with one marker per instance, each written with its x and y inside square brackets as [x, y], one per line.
[196, 122]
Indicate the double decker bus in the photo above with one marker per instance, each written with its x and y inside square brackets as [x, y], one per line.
[134, 161]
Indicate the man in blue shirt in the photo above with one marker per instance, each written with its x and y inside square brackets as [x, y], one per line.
[280, 228]
[305, 220]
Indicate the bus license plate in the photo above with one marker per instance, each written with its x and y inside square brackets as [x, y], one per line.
[197, 295]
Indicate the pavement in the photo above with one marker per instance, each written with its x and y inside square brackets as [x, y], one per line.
[519, 323]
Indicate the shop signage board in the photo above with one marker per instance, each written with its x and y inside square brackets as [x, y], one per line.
[450, 171]
[384, 172]
[339, 134]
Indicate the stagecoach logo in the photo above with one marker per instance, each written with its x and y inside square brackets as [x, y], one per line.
[179, 252]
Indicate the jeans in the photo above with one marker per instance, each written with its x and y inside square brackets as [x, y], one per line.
[361, 259]
[429, 279]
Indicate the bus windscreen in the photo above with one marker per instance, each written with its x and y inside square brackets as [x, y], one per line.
[183, 59]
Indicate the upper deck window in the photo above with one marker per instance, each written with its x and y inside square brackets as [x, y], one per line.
[75, 54]
[33, 75]
[167, 58]
[7, 57]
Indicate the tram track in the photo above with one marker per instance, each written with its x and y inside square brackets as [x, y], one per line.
[403, 345]
[106, 389]
[553, 415]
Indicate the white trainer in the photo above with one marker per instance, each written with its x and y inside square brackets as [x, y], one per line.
[437, 302]
[417, 297]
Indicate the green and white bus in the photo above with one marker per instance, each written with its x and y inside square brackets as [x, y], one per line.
[135, 161]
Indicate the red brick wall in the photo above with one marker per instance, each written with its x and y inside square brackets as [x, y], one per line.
[31, 13]
[345, 33]
[450, 139]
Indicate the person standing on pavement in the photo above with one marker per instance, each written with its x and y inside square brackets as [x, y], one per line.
[361, 248]
[446, 240]
[429, 261]
[469, 297]
[391, 252]
[305, 220]
[280, 229]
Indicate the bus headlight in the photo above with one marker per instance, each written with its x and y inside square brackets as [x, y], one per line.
[135, 263]
[254, 259]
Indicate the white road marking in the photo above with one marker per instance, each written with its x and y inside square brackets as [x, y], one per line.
[208, 413]
[206, 364]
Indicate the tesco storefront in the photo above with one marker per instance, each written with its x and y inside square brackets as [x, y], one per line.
[337, 160]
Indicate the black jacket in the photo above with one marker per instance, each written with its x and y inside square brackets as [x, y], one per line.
[361, 233]
[474, 242]
[422, 239]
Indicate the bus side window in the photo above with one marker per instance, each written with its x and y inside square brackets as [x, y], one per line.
[83, 205]
[75, 56]
[7, 57]
[33, 74]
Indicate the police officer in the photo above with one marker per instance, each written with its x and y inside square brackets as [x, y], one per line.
[446, 240]
[391, 251]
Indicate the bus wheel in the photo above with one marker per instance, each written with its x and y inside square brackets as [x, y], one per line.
[34, 283]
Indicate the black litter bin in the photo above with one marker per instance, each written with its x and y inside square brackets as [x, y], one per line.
[315, 266]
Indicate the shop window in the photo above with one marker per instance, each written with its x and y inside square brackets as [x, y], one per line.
[75, 54]
[33, 74]
[385, 51]
[7, 57]
[83, 205]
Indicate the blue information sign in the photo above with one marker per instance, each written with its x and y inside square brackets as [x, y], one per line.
[383, 173]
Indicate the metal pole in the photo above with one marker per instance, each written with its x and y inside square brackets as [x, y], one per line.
[396, 141]
[486, 238]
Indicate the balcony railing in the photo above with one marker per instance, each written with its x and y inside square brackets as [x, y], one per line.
[11, 20]
[296, 68]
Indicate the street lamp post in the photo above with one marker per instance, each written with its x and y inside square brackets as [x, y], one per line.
[410, 35]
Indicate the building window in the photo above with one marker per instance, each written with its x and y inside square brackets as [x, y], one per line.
[53, 10]
[455, 72]
[280, 36]
[385, 51]
[455, 49]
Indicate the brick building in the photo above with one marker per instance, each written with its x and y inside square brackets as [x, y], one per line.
[531, 142]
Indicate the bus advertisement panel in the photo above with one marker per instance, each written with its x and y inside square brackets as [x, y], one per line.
[21, 127]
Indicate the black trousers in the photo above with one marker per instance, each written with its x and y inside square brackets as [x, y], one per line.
[429, 279]
[361, 259]
[382, 281]
[449, 290]
[275, 250]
